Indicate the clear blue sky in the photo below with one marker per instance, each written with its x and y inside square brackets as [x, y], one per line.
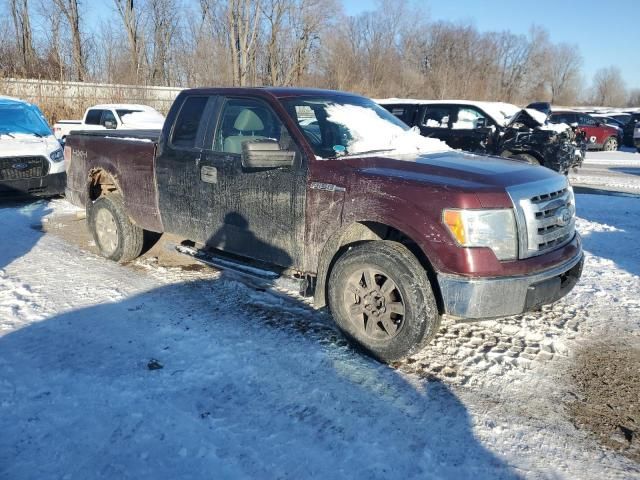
[607, 32]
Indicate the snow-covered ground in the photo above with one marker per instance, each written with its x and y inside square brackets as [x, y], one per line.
[256, 386]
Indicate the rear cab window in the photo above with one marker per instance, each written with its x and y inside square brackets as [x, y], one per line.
[188, 129]
[406, 113]
[93, 117]
[567, 118]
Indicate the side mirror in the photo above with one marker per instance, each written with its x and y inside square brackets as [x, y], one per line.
[481, 122]
[109, 124]
[598, 123]
[265, 154]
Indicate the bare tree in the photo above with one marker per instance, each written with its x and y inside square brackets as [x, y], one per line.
[69, 8]
[634, 98]
[565, 64]
[243, 18]
[24, 35]
[130, 17]
[293, 32]
[164, 26]
[609, 88]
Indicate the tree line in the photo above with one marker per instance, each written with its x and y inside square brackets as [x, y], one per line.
[393, 50]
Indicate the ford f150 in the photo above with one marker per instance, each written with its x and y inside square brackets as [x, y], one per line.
[390, 229]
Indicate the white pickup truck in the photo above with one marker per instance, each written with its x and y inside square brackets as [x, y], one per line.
[112, 116]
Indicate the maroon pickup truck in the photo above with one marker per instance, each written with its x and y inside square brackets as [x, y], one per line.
[389, 229]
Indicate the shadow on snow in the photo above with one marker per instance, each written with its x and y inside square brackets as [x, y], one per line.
[251, 386]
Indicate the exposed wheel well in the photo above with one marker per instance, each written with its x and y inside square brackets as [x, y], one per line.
[100, 183]
[360, 232]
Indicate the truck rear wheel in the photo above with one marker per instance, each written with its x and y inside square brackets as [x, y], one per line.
[115, 235]
[381, 299]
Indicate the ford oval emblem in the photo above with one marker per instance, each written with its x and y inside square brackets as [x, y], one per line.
[563, 217]
[20, 166]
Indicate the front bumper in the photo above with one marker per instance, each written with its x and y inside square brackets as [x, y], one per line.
[478, 298]
[48, 186]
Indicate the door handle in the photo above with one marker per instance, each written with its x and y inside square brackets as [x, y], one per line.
[209, 174]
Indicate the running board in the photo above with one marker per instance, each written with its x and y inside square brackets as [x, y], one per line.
[256, 276]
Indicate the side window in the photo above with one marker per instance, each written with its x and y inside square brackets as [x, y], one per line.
[108, 116]
[245, 119]
[406, 113]
[469, 118]
[567, 118]
[437, 116]
[93, 117]
[185, 130]
[587, 120]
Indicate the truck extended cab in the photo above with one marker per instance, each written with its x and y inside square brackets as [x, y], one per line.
[111, 117]
[390, 229]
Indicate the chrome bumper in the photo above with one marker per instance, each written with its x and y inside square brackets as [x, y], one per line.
[478, 298]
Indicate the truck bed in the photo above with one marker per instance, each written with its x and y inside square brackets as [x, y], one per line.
[128, 157]
[141, 135]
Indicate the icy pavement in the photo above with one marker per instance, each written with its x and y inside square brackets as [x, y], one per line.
[617, 171]
[145, 371]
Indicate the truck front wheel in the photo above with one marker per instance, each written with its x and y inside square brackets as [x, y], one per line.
[381, 299]
[115, 235]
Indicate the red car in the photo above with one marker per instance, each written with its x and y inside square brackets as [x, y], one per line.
[599, 136]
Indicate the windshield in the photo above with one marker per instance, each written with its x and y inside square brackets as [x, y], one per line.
[23, 119]
[339, 126]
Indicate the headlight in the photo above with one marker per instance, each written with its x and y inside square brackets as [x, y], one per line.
[57, 155]
[495, 229]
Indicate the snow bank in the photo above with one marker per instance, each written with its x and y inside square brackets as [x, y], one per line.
[370, 132]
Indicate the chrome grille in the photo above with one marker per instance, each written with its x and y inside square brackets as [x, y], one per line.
[21, 168]
[545, 213]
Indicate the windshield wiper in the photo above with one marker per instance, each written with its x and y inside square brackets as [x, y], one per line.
[7, 133]
[366, 152]
[39, 135]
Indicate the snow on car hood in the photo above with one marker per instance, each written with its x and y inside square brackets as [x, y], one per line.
[371, 133]
[143, 120]
[22, 144]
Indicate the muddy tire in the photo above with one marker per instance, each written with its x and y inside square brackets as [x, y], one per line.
[115, 235]
[527, 158]
[382, 300]
[610, 144]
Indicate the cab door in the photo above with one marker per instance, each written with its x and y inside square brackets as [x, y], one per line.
[255, 213]
[178, 170]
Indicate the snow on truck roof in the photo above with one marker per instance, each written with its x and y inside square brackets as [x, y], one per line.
[500, 112]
